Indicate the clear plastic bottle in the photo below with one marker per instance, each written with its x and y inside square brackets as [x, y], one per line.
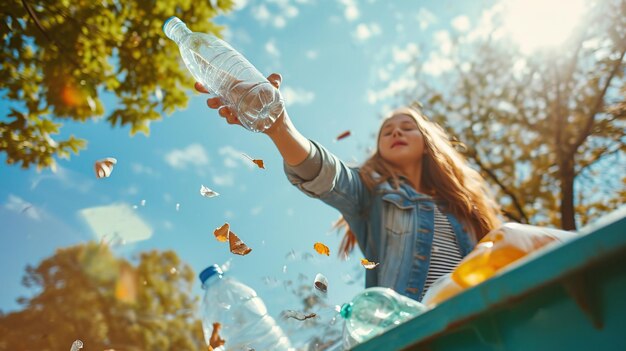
[242, 315]
[225, 72]
[374, 311]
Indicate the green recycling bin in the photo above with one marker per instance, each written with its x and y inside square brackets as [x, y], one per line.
[570, 297]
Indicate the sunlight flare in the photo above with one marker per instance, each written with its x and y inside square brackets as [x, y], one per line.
[537, 24]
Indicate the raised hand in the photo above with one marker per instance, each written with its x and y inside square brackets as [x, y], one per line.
[225, 111]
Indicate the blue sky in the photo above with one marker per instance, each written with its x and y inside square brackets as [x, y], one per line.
[344, 63]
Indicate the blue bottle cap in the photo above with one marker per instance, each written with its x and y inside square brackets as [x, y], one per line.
[168, 21]
[209, 272]
[346, 310]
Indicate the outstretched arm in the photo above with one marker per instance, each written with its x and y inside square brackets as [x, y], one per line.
[293, 146]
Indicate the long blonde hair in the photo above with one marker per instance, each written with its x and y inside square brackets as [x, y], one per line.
[446, 175]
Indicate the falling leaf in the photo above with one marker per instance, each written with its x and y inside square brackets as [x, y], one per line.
[321, 283]
[206, 192]
[104, 167]
[321, 249]
[257, 162]
[343, 135]
[216, 341]
[126, 284]
[368, 265]
[76, 345]
[297, 315]
[237, 246]
[221, 233]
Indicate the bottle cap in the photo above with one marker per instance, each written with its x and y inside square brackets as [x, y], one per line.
[168, 21]
[209, 272]
[346, 310]
[172, 19]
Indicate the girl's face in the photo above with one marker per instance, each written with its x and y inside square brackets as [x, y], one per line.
[400, 142]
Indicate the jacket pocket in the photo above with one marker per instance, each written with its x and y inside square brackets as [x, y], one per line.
[396, 255]
[398, 217]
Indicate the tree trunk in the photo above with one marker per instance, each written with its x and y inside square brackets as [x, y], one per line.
[568, 221]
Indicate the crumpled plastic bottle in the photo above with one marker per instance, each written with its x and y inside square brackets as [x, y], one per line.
[374, 311]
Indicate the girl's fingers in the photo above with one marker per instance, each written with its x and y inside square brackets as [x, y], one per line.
[275, 79]
[224, 111]
[199, 87]
[229, 115]
[214, 102]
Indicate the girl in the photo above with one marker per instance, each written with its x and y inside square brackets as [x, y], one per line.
[415, 206]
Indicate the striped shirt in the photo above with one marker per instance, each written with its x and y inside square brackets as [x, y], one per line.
[445, 254]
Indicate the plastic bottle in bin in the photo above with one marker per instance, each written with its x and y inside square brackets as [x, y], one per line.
[440, 290]
[225, 72]
[242, 315]
[374, 311]
[501, 247]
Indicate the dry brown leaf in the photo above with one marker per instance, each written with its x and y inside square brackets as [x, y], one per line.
[258, 162]
[104, 167]
[298, 315]
[237, 246]
[343, 135]
[368, 265]
[221, 233]
[126, 284]
[321, 249]
[216, 341]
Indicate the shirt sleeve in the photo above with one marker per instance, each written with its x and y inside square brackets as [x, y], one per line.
[334, 183]
[309, 168]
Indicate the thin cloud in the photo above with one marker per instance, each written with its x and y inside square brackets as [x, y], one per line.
[255, 211]
[224, 179]
[275, 13]
[393, 89]
[138, 168]
[461, 23]
[20, 206]
[443, 41]
[239, 5]
[192, 155]
[405, 55]
[351, 11]
[270, 48]
[67, 178]
[233, 157]
[437, 64]
[311, 54]
[297, 96]
[425, 18]
[365, 31]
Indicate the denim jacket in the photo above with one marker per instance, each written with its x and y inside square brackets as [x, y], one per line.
[392, 226]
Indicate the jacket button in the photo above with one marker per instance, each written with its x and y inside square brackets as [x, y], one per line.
[412, 290]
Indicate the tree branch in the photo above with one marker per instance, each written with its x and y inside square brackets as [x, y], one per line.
[597, 106]
[605, 152]
[492, 175]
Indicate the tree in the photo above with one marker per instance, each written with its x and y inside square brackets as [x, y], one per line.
[547, 131]
[86, 293]
[60, 57]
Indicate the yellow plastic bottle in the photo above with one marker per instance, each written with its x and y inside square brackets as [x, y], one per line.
[501, 247]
